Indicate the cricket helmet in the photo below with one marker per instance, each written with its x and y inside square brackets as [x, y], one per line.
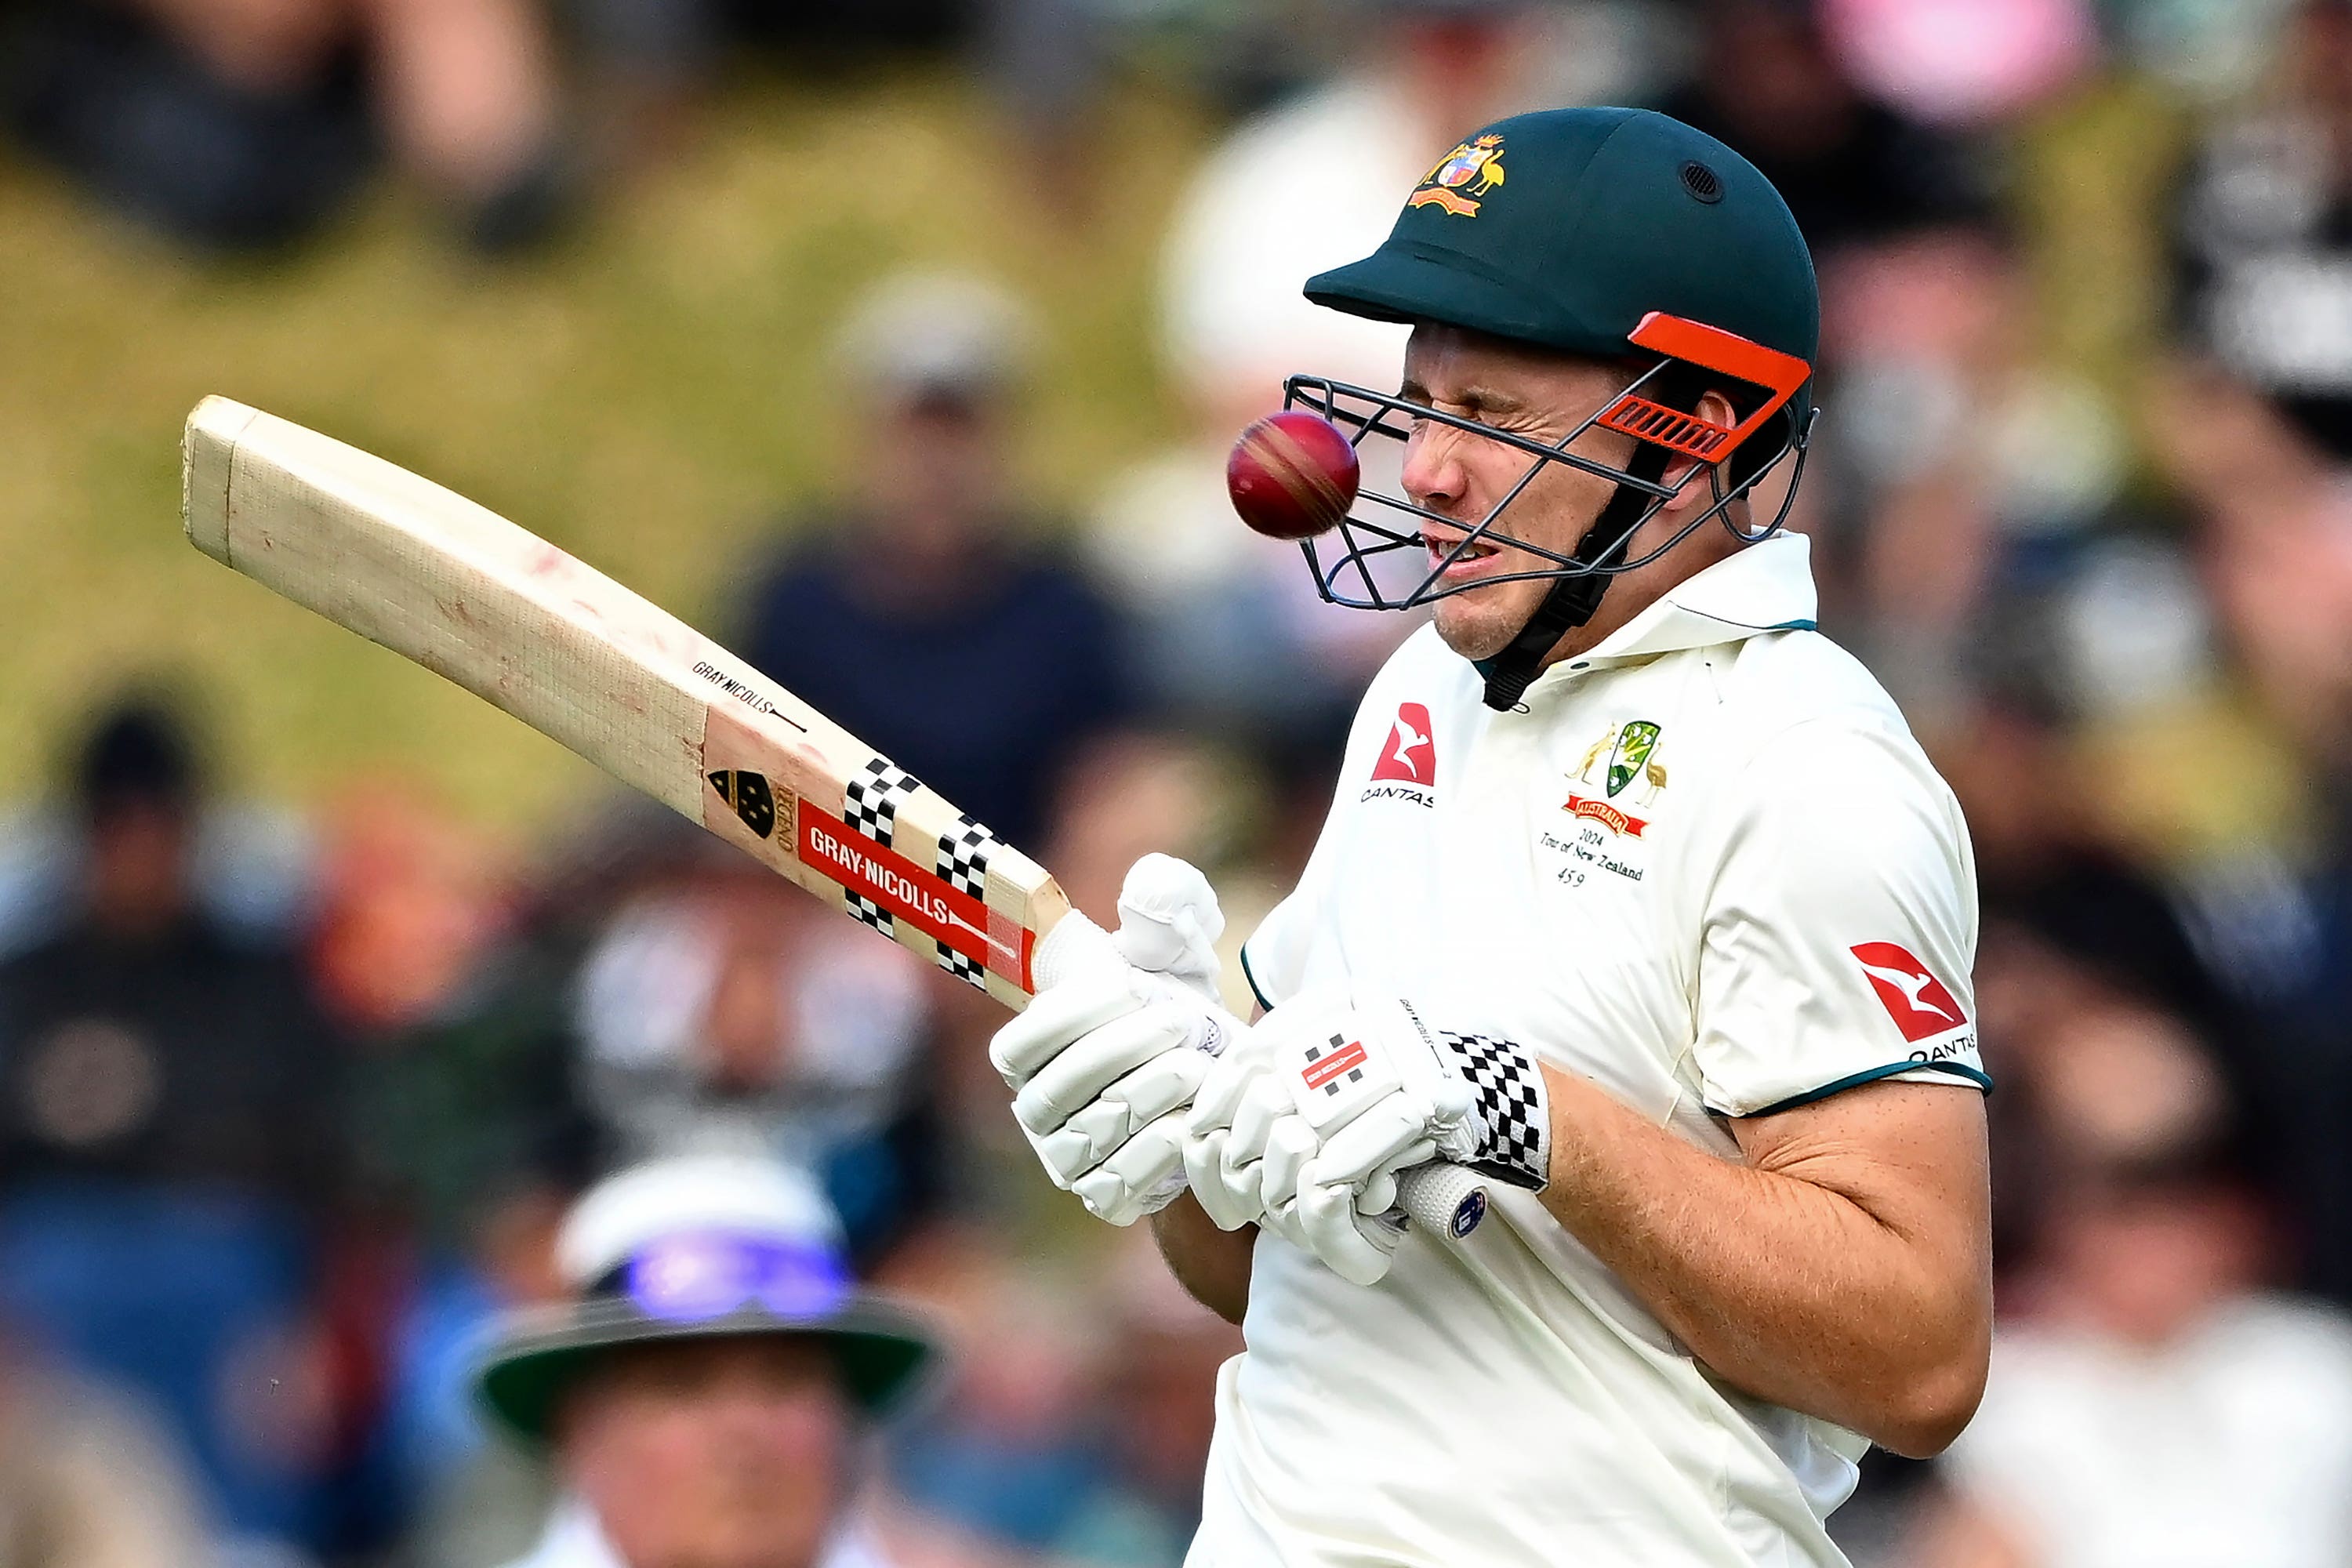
[1618, 234]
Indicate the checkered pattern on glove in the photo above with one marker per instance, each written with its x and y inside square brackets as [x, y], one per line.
[1513, 1141]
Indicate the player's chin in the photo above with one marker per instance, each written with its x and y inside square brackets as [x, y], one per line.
[1479, 623]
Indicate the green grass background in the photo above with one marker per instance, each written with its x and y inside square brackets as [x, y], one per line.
[646, 396]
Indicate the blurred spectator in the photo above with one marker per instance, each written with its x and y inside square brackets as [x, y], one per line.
[728, 1011]
[1962, 60]
[1078, 1423]
[145, 1043]
[88, 1480]
[1232, 632]
[702, 1394]
[1159, 1407]
[2305, 1022]
[252, 869]
[650, 60]
[2274, 890]
[242, 123]
[475, 1094]
[924, 612]
[1143, 792]
[1316, 181]
[1012, 1456]
[171, 1139]
[2207, 51]
[2276, 510]
[475, 1127]
[2160, 1408]
[408, 900]
[1853, 170]
[2045, 867]
[2265, 233]
[1966, 468]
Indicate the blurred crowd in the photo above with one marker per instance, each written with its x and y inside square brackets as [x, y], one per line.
[292, 1105]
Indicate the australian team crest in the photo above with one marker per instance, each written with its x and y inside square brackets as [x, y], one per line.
[1630, 758]
[1466, 175]
[1622, 758]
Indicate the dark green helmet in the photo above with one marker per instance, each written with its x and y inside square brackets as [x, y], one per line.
[1565, 227]
[1612, 233]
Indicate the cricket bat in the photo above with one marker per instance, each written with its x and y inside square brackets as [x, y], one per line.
[577, 656]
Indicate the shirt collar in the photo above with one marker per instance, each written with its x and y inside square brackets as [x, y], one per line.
[1767, 586]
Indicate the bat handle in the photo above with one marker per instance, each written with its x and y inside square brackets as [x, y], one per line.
[1447, 1201]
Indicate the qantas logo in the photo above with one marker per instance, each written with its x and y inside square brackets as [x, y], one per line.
[1913, 996]
[1410, 757]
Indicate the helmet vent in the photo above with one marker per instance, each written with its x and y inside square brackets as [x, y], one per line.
[1702, 182]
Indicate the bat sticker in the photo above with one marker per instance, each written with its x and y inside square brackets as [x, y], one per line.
[741, 691]
[748, 794]
[878, 879]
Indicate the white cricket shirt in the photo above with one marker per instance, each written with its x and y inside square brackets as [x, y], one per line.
[1706, 867]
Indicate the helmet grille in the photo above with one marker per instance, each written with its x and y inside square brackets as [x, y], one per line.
[1702, 182]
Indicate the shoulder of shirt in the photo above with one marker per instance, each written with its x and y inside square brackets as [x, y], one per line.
[1779, 681]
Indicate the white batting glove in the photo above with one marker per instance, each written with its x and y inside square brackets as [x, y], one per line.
[1233, 1129]
[1312, 1116]
[1168, 923]
[1104, 1062]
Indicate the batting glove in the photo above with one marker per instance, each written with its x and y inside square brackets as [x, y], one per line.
[1168, 923]
[1104, 1063]
[1311, 1118]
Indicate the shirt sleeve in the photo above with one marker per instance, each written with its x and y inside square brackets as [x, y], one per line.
[1839, 927]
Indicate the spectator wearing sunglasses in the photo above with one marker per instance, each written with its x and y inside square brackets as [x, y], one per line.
[701, 1395]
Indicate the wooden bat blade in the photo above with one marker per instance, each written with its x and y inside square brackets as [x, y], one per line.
[456, 588]
[581, 660]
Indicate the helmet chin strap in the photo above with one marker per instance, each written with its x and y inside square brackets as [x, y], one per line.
[1571, 600]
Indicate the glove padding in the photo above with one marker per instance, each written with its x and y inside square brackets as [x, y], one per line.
[1102, 1074]
[1103, 1064]
[1168, 923]
[1303, 1124]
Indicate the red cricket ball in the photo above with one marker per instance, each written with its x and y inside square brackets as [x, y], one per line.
[1292, 475]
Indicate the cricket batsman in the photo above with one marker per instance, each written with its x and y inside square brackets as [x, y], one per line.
[1636, 895]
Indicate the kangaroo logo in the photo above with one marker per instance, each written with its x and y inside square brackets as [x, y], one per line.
[1411, 755]
[1909, 991]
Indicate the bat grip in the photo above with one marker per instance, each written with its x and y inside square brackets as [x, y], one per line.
[1447, 1201]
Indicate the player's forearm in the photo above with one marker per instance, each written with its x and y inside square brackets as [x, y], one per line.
[1212, 1265]
[1829, 1301]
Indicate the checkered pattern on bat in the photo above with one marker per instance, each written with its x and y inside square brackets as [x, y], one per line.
[962, 864]
[965, 850]
[870, 802]
[1509, 1093]
[970, 971]
[867, 910]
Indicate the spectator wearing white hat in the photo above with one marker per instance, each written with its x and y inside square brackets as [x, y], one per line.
[702, 1396]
